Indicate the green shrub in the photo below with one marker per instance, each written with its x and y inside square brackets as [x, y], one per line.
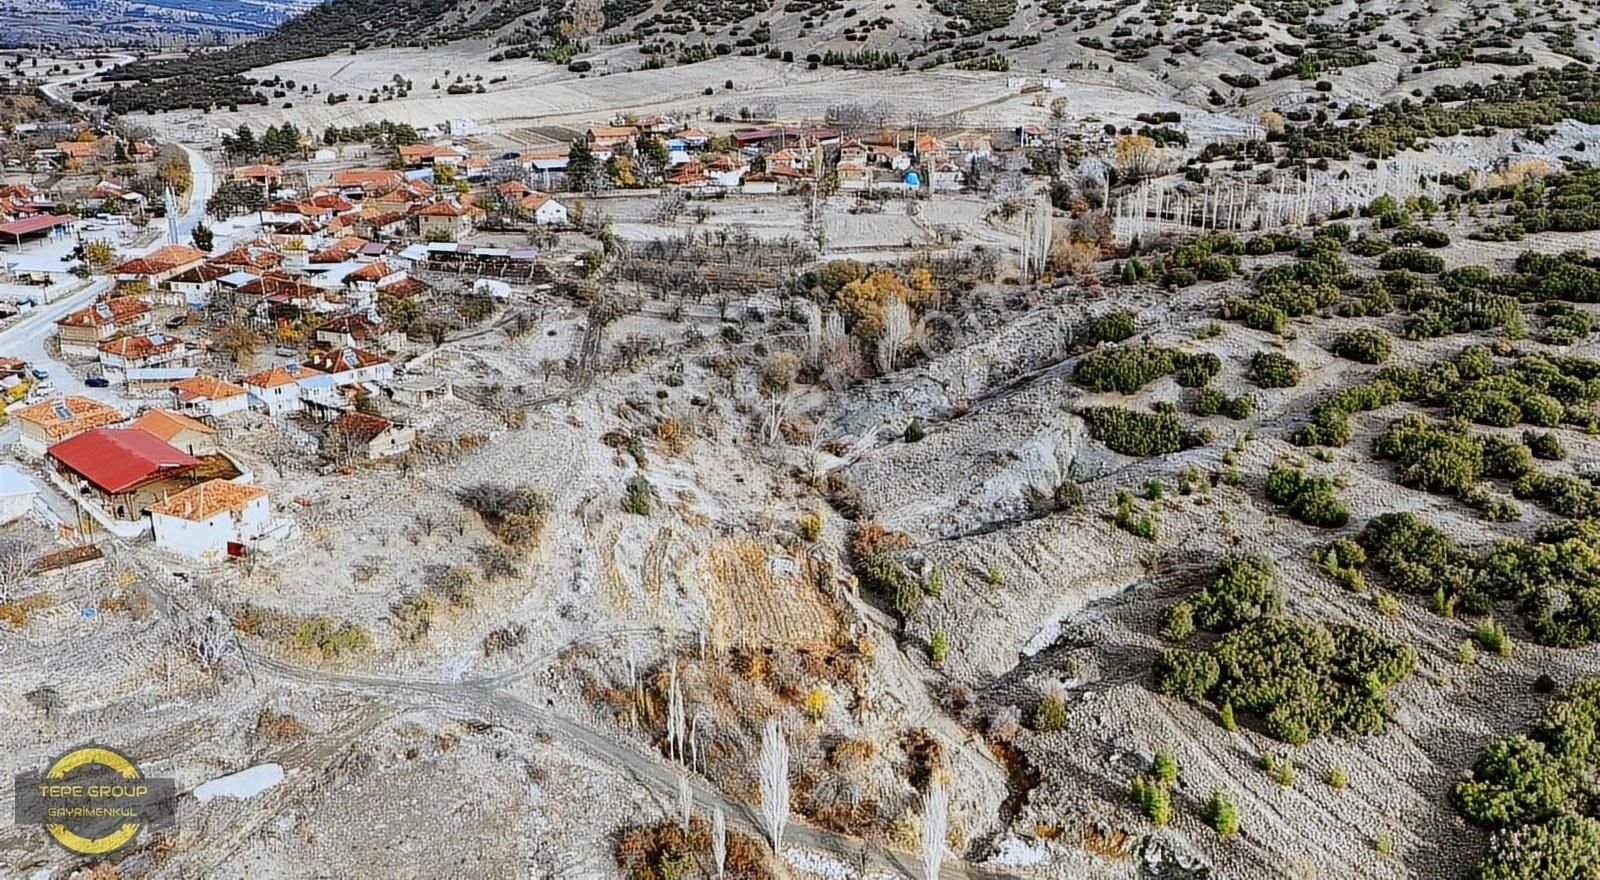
[1311, 500]
[1270, 369]
[1142, 434]
[1164, 768]
[1221, 814]
[1411, 260]
[1050, 714]
[1195, 370]
[1185, 674]
[1112, 327]
[915, 431]
[1124, 369]
[637, 496]
[1365, 346]
[1544, 445]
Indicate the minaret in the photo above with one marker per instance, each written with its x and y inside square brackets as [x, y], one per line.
[171, 202]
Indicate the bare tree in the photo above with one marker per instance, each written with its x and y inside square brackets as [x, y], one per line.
[685, 801]
[935, 818]
[16, 561]
[675, 713]
[772, 769]
[209, 642]
[896, 333]
[719, 840]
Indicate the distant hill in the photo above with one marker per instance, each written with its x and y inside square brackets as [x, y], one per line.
[1220, 53]
[157, 23]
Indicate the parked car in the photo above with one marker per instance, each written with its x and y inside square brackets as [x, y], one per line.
[97, 382]
[177, 321]
[286, 352]
[40, 373]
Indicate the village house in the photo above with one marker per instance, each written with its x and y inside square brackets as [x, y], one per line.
[759, 183]
[117, 470]
[603, 139]
[366, 281]
[689, 175]
[212, 520]
[945, 175]
[157, 266]
[55, 420]
[179, 431]
[542, 210]
[358, 183]
[81, 332]
[418, 392]
[352, 366]
[443, 220]
[358, 330]
[254, 257]
[544, 161]
[277, 390]
[357, 436]
[693, 138]
[193, 288]
[208, 397]
[264, 176]
[142, 351]
[726, 170]
[426, 155]
[85, 155]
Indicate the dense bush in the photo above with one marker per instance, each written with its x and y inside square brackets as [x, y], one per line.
[1289, 291]
[1195, 370]
[1447, 458]
[1411, 260]
[1533, 788]
[1312, 500]
[515, 514]
[1545, 445]
[1124, 368]
[1301, 679]
[1409, 236]
[1366, 345]
[1112, 327]
[1330, 418]
[1271, 369]
[1552, 580]
[1142, 434]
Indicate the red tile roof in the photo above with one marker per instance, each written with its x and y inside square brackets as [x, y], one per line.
[371, 272]
[359, 426]
[202, 502]
[136, 347]
[166, 424]
[111, 311]
[38, 223]
[118, 459]
[343, 360]
[207, 388]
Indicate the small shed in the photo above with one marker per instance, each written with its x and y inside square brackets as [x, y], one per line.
[17, 493]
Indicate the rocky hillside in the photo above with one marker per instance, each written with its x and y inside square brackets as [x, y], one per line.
[1217, 54]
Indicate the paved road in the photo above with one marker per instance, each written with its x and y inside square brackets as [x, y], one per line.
[26, 338]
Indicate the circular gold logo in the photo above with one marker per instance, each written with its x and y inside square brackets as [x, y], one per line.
[94, 800]
[114, 762]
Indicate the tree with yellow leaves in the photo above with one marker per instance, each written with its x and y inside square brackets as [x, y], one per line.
[1272, 121]
[619, 169]
[1136, 156]
[98, 253]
